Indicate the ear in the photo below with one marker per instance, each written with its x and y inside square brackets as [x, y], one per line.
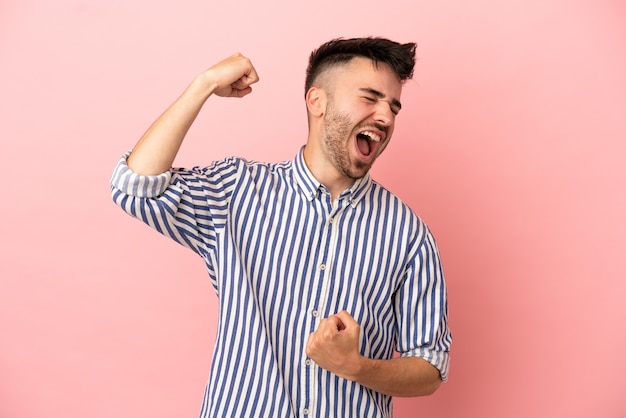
[316, 102]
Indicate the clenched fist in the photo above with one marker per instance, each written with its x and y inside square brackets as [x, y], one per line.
[334, 345]
[231, 77]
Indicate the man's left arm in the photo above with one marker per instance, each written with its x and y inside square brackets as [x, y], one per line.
[334, 346]
[423, 337]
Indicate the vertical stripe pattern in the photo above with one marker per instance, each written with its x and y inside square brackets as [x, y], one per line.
[282, 256]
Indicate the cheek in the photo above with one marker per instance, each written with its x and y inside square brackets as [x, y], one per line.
[338, 125]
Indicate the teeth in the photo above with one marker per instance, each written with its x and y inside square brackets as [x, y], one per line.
[371, 135]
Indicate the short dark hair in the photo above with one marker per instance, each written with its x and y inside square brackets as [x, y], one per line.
[400, 57]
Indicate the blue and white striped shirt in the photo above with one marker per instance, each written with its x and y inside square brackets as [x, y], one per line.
[282, 256]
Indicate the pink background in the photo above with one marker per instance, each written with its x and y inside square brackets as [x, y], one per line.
[511, 145]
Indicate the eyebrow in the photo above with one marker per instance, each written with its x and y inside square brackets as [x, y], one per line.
[394, 102]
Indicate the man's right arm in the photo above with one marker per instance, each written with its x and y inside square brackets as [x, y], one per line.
[157, 148]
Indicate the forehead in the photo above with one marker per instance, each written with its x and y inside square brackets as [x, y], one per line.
[362, 73]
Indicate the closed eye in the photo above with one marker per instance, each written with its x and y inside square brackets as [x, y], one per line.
[374, 96]
[392, 106]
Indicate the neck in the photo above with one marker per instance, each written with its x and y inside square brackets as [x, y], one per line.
[327, 174]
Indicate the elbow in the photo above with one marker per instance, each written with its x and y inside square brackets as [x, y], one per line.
[426, 387]
[432, 386]
[431, 381]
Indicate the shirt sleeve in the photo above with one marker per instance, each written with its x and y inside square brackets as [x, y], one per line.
[188, 206]
[422, 308]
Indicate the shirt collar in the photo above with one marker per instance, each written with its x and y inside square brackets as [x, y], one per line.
[310, 186]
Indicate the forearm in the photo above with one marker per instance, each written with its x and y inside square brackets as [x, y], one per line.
[157, 148]
[402, 377]
[334, 346]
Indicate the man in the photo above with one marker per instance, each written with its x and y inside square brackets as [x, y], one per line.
[321, 273]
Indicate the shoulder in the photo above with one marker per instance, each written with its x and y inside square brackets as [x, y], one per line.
[404, 216]
[379, 193]
[233, 170]
[259, 169]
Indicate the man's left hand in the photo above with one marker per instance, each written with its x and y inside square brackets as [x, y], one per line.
[334, 345]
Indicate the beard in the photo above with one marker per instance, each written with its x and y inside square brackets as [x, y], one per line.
[338, 130]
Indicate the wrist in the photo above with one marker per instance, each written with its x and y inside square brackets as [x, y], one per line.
[204, 84]
[360, 368]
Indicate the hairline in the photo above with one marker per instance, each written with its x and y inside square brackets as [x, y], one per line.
[327, 67]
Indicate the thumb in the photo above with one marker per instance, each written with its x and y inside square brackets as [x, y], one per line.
[346, 320]
[244, 81]
[240, 92]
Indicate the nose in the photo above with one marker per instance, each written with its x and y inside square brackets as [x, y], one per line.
[384, 115]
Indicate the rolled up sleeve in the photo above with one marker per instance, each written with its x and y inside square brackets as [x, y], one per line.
[422, 309]
[130, 183]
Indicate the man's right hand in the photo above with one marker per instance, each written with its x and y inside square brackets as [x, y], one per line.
[231, 77]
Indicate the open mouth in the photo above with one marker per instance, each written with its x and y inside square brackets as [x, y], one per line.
[367, 142]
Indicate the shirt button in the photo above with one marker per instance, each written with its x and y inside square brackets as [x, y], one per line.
[331, 220]
[306, 411]
[316, 313]
[322, 266]
[308, 362]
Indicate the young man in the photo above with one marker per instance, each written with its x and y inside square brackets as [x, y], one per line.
[321, 273]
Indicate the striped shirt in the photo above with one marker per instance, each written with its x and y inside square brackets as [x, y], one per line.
[281, 256]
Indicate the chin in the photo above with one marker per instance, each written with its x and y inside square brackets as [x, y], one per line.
[359, 171]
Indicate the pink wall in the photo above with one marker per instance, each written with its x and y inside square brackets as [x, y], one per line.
[511, 145]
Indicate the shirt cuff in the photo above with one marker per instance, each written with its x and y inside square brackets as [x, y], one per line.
[127, 181]
[439, 359]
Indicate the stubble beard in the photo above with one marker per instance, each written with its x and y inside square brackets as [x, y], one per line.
[337, 140]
